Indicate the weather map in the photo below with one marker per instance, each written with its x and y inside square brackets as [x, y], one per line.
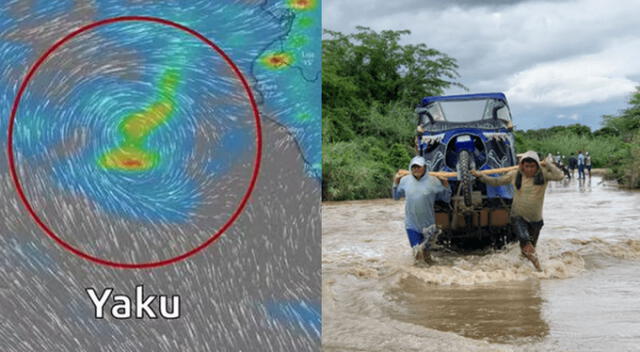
[149, 134]
[293, 61]
[149, 137]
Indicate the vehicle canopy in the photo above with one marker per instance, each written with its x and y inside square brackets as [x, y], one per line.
[464, 108]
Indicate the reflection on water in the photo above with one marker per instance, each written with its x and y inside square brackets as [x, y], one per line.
[497, 313]
[376, 299]
[584, 185]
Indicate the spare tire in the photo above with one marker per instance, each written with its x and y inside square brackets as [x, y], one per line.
[466, 180]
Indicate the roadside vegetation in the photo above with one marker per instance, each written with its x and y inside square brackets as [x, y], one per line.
[616, 145]
[370, 86]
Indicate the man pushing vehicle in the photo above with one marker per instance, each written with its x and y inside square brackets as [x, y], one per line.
[530, 182]
[421, 191]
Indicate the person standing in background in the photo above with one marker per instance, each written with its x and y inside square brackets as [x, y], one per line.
[580, 165]
[573, 163]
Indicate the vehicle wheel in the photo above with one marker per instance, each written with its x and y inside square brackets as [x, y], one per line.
[466, 181]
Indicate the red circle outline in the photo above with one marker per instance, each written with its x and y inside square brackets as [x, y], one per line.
[97, 260]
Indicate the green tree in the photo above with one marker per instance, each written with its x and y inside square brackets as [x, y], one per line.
[628, 122]
[626, 126]
[580, 130]
[377, 67]
[606, 131]
[615, 146]
[371, 83]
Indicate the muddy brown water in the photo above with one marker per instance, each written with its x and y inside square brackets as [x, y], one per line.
[586, 299]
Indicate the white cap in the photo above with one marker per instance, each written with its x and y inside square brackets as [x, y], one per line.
[417, 160]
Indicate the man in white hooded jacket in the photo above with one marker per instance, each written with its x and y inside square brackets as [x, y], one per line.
[421, 191]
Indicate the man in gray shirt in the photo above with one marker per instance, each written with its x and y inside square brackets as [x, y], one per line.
[421, 191]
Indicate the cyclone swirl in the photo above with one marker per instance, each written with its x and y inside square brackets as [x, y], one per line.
[160, 147]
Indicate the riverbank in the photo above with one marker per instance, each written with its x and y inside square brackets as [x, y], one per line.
[600, 172]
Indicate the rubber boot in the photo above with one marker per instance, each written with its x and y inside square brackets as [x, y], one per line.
[530, 253]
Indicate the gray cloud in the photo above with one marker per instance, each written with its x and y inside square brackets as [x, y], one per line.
[541, 53]
[386, 8]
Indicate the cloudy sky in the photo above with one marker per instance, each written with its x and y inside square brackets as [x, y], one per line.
[559, 62]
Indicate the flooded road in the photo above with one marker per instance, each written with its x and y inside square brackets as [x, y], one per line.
[586, 299]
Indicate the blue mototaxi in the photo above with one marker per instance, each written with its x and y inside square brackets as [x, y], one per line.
[458, 133]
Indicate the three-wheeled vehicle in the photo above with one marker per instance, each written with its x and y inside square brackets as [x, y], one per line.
[458, 133]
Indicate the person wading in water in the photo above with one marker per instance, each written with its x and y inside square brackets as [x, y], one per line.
[421, 191]
[530, 181]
